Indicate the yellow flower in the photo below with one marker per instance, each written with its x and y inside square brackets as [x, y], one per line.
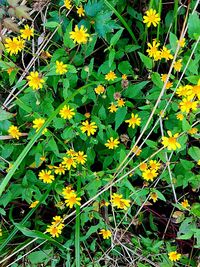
[181, 42]
[164, 78]
[67, 113]
[61, 68]
[46, 176]
[71, 153]
[69, 162]
[57, 220]
[80, 157]
[87, 115]
[136, 150]
[38, 123]
[180, 116]
[67, 4]
[151, 18]
[1, 232]
[149, 174]
[99, 89]
[111, 76]
[27, 32]
[186, 105]
[124, 77]
[67, 191]
[174, 256]
[165, 53]
[90, 128]
[183, 90]
[194, 91]
[112, 143]
[198, 162]
[153, 196]
[120, 102]
[143, 166]
[153, 164]
[80, 11]
[105, 233]
[124, 204]
[171, 141]
[33, 204]
[112, 108]
[185, 204]
[133, 121]
[60, 169]
[178, 65]
[193, 131]
[14, 131]
[34, 80]
[54, 230]
[79, 35]
[72, 200]
[116, 199]
[153, 49]
[15, 45]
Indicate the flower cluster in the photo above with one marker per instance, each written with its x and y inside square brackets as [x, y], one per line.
[150, 170]
[118, 104]
[118, 201]
[55, 229]
[154, 52]
[70, 197]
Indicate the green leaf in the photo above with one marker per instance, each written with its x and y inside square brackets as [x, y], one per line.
[173, 41]
[68, 42]
[103, 23]
[185, 125]
[135, 89]
[116, 37]
[194, 26]
[125, 67]
[4, 115]
[148, 63]
[92, 9]
[156, 79]
[40, 256]
[120, 116]
[194, 153]
[51, 24]
[195, 209]
[111, 57]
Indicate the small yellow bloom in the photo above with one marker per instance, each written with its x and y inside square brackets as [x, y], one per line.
[34, 80]
[149, 174]
[58, 220]
[27, 32]
[194, 91]
[90, 128]
[119, 202]
[164, 78]
[112, 108]
[69, 162]
[87, 115]
[171, 142]
[68, 4]
[124, 204]
[136, 150]
[80, 157]
[187, 105]
[193, 131]
[46, 176]
[33, 204]
[54, 230]
[59, 169]
[178, 65]
[111, 76]
[133, 121]
[71, 153]
[181, 42]
[112, 143]
[165, 53]
[154, 165]
[105, 233]
[80, 11]
[153, 196]
[38, 123]
[72, 200]
[61, 68]
[124, 77]
[79, 36]
[185, 204]
[99, 89]
[198, 162]
[174, 256]
[67, 191]
[14, 132]
[67, 113]
[10, 70]
[151, 17]
[1, 232]
[153, 49]
[15, 45]
[184, 90]
[143, 166]
[180, 116]
[120, 102]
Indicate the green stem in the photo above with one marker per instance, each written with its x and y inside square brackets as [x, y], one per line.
[77, 226]
[175, 16]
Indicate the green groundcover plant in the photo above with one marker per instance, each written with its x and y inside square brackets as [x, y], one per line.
[99, 133]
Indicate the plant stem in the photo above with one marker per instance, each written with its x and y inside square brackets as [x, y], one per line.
[77, 227]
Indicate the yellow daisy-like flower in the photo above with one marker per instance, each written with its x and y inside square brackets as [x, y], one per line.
[174, 256]
[185, 204]
[133, 121]
[124, 77]
[149, 174]
[136, 150]
[165, 53]
[71, 153]
[164, 78]
[69, 162]
[27, 32]
[38, 123]
[183, 90]
[67, 191]
[187, 105]
[67, 113]
[67, 4]
[151, 17]
[111, 76]
[124, 204]
[178, 65]
[73, 200]
[54, 230]
[33, 204]
[112, 108]
[80, 11]
[14, 132]
[61, 68]
[194, 91]
[181, 42]
[15, 45]
[105, 233]
[1, 232]
[153, 49]
[89, 128]
[155, 165]
[116, 199]
[112, 143]
[46, 176]
[143, 166]
[80, 157]
[193, 131]
[171, 142]
[60, 169]
[120, 102]
[79, 36]
[100, 89]
[180, 116]
[153, 196]
[34, 80]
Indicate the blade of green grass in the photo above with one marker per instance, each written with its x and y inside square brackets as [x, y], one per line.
[35, 138]
[77, 227]
[122, 21]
